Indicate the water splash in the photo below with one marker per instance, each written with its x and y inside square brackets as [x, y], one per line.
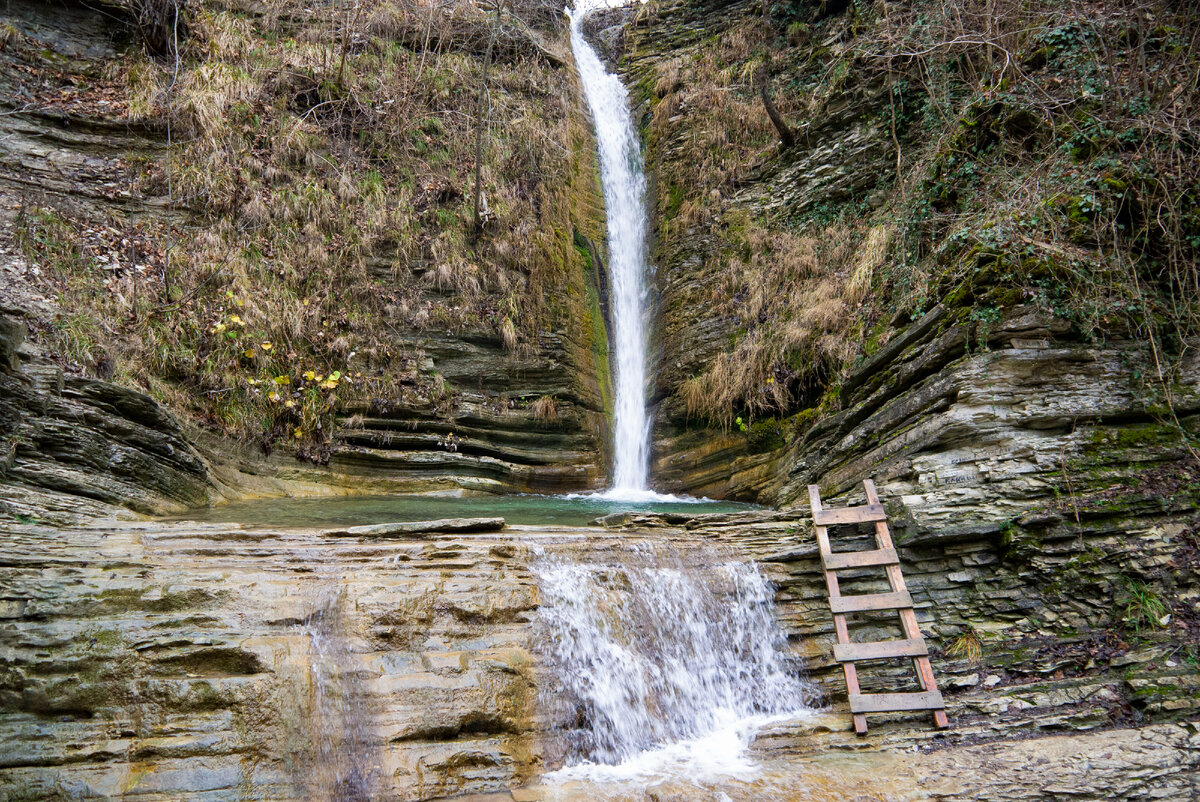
[624, 185]
[661, 664]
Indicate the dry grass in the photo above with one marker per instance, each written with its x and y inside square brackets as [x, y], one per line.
[966, 645]
[792, 298]
[545, 408]
[329, 159]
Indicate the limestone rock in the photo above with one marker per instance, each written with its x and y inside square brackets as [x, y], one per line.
[419, 528]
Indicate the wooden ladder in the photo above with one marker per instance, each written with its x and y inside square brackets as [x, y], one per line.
[845, 652]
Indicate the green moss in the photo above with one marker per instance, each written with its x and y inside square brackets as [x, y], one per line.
[1103, 441]
[674, 201]
[765, 435]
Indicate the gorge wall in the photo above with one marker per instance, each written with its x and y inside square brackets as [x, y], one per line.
[796, 281]
[1039, 472]
[297, 272]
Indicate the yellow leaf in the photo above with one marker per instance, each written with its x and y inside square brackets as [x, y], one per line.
[236, 320]
[248, 353]
[218, 328]
[297, 433]
[274, 396]
[266, 346]
[310, 375]
[283, 379]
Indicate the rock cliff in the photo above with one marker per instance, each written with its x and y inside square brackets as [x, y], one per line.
[1038, 465]
[69, 436]
[796, 280]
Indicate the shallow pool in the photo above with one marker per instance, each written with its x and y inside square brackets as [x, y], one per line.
[516, 509]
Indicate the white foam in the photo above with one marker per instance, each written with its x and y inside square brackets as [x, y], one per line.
[631, 496]
[670, 665]
[723, 752]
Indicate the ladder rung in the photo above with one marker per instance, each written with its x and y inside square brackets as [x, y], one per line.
[870, 601]
[888, 702]
[879, 650]
[834, 561]
[849, 515]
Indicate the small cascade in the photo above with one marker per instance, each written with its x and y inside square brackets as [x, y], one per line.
[342, 756]
[658, 662]
[625, 205]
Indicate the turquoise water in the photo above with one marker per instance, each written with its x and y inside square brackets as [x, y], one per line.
[517, 509]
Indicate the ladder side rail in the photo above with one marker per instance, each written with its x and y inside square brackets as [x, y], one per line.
[908, 617]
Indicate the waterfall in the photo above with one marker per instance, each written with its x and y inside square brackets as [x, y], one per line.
[657, 662]
[625, 205]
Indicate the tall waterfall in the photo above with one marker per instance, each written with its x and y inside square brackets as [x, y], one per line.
[625, 205]
[658, 662]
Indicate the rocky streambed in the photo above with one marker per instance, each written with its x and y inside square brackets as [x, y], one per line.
[182, 660]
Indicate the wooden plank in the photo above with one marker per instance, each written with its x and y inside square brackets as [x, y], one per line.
[879, 650]
[840, 560]
[849, 515]
[892, 702]
[869, 602]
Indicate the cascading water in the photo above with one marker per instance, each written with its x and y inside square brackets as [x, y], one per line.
[625, 204]
[658, 663]
[339, 727]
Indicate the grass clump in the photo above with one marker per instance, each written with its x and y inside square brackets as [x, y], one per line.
[1143, 609]
[967, 645]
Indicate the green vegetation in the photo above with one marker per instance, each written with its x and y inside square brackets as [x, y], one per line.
[1143, 609]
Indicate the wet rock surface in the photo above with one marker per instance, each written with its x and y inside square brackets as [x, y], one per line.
[211, 662]
[418, 528]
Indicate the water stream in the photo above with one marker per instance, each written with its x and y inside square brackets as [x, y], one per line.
[658, 666]
[662, 665]
[526, 510]
[625, 205]
[339, 744]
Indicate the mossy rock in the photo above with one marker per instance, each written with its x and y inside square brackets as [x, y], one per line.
[765, 435]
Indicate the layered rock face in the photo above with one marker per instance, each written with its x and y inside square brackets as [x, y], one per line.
[187, 661]
[489, 434]
[64, 437]
[993, 377]
[212, 663]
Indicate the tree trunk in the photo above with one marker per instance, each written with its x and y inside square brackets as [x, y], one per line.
[785, 133]
[480, 113]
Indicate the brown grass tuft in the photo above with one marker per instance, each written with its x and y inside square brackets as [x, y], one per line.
[545, 408]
